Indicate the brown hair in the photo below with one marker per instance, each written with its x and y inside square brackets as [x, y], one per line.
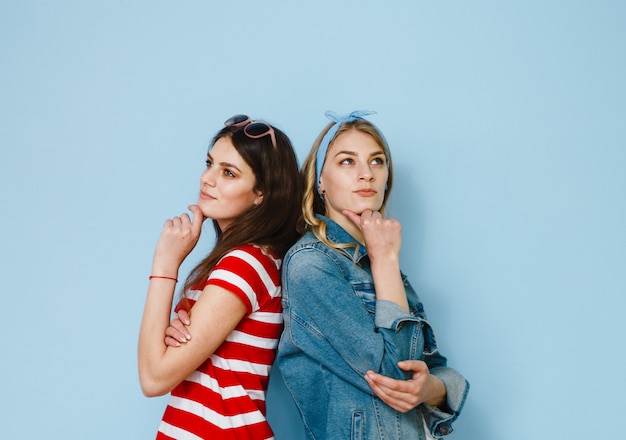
[272, 223]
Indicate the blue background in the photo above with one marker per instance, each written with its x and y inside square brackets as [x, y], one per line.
[507, 122]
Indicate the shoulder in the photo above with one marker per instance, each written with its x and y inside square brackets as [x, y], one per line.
[311, 259]
[251, 255]
[308, 246]
[248, 264]
[250, 272]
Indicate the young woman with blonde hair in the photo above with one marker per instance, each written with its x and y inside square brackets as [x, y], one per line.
[358, 353]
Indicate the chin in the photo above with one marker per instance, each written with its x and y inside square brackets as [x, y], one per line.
[374, 207]
[206, 212]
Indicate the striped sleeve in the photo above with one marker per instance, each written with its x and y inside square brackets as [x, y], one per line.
[249, 273]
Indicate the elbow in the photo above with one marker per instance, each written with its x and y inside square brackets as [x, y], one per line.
[153, 381]
[152, 388]
[152, 391]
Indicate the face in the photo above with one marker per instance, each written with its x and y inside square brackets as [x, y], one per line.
[227, 185]
[354, 175]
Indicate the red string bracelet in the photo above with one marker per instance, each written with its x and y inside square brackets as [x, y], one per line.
[165, 278]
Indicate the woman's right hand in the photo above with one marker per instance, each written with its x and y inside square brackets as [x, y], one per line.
[178, 238]
[383, 239]
[383, 236]
[177, 334]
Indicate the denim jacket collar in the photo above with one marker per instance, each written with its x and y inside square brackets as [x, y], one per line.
[337, 234]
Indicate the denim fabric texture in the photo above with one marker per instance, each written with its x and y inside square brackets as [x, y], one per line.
[336, 330]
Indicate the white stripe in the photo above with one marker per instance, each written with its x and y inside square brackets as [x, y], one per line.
[226, 392]
[251, 340]
[277, 262]
[194, 294]
[257, 395]
[209, 382]
[177, 433]
[217, 419]
[241, 366]
[267, 317]
[232, 278]
[256, 264]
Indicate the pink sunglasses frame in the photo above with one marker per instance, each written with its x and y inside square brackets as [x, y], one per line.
[241, 120]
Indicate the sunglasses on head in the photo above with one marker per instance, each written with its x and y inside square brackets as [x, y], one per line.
[252, 129]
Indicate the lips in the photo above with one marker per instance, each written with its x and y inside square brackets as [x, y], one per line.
[366, 192]
[205, 196]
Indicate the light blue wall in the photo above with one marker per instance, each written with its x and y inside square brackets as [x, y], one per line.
[507, 123]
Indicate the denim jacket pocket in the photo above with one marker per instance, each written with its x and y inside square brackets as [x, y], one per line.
[365, 291]
[357, 427]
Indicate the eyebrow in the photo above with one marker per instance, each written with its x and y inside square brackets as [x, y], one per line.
[224, 164]
[354, 153]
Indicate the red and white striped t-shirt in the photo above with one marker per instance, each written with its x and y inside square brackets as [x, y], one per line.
[225, 397]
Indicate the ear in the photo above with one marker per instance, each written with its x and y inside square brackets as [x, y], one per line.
[259, 198]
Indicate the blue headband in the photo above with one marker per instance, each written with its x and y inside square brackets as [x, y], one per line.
[330, 135]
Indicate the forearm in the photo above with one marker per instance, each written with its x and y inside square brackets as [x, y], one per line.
[158, 369]
[388, 280]
[151, 348]
[457, 388]
[216, 313]
[436, 395]
[440, 418]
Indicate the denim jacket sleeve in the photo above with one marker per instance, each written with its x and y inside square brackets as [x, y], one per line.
[438, 421]
[338, 321]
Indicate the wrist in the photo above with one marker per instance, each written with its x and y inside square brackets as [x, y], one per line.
[388, 258]
[385, 267]
[164, 269]
[163, 277]
[438, 394]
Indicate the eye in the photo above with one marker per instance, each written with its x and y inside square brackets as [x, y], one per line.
[208, 163]
[380, 160]
[228, 173]
[347, 161]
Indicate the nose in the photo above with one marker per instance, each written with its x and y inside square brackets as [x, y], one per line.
[207, 177]
[365, 172]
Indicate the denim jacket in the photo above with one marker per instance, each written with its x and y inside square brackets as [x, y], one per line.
[335, 330]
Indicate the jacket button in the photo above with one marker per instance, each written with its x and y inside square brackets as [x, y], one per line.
[445, 430]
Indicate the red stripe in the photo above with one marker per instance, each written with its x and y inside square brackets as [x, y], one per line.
[237, 351]
[206, 430]
[260, 328]
[214, 401]
[229, 378]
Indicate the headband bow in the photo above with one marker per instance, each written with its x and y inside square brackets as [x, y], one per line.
[330, 135]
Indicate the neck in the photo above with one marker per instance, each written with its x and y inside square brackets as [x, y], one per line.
[350, 227]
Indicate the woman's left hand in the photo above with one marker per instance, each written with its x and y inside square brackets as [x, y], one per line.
[404, 395]
[177, 333]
